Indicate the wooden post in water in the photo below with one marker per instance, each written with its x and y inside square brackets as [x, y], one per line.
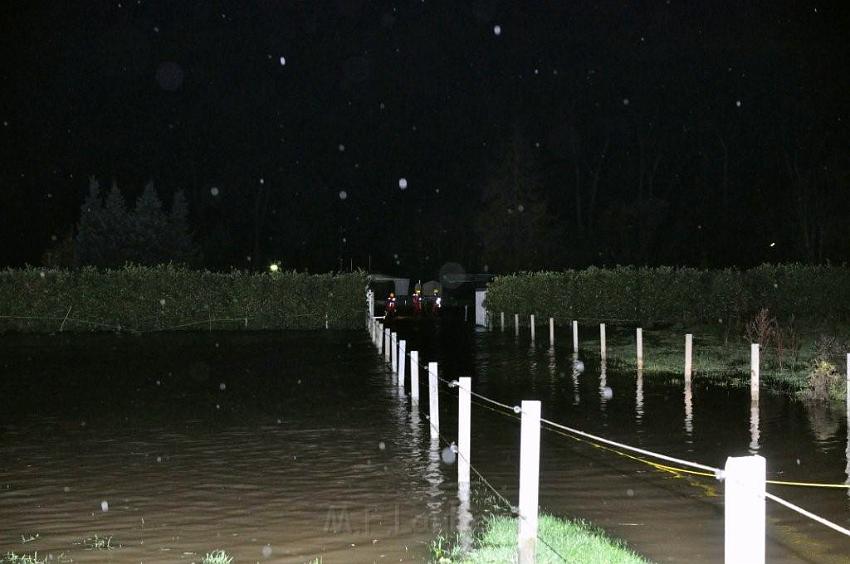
[529, 481]
[402, 357]
[744, 510]
[464, 426]
[602, 348]
[754, 372]
[516, 324]
[414, 376]
[639, 338]
[532, 327]
[575, 336]
[689, 356]
[551, 331]
[433, 400]
[502, 320]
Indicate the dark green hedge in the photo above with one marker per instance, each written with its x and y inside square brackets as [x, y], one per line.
[171, 298]
[678, 295]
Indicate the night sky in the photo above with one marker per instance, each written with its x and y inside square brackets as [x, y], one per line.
[404, 135]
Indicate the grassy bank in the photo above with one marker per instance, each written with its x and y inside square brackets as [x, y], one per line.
[813, 365]
[565, 541]
[141, 299]
[799, 315]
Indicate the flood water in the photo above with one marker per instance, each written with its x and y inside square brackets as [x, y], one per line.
[284, 447]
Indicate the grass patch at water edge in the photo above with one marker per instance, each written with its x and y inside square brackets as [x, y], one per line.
[217, 557]
[562, 540]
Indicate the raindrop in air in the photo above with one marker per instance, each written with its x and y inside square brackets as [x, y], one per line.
[104, 506]
[343, 194]
[449, 454]
[222, 386]
[267, 551]
[738, 103]
[497, 29]
[402, 183]
[607, 393]
[214, 191]
[382, 445]
[283, 61]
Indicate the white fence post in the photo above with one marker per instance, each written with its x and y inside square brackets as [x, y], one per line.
[532, 326]
[575, 336]
[414, 376]
[402, 357]
[551, 332]
[689, 356]
[516, 324]
[754, 372]
[529, 480]
[433, 400]
[464, 426]
[394, 352]
[502, 320]
[387, 345]
[744, 510]
[602, 347]
[639, 338]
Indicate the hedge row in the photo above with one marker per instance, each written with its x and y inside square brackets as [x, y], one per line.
[677, 295]
[167, 297]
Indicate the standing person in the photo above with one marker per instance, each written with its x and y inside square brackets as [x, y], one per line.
[417, 302]
[437, 303]
[391, 306]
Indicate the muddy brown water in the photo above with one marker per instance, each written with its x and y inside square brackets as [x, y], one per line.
[285, 447]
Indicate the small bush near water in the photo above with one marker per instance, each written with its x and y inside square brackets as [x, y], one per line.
[565, 541]
[141, 299]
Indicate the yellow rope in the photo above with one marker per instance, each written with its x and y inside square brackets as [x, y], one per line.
[664, 467]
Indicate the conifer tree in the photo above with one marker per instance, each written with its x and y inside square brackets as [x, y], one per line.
[148, 244]
[179, 240]
[88, 244]
[116, 229]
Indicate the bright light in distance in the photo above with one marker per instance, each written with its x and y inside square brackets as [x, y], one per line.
[773, 244]
[274, 267]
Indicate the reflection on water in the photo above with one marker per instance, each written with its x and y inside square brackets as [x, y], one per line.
[578, 368]
[639, 397]
[605, 392]
[689, 410]
[464, 516]
[273, 447]
[755, 432]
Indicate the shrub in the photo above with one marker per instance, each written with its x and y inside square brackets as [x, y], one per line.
[142, 299]
[677, 295]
